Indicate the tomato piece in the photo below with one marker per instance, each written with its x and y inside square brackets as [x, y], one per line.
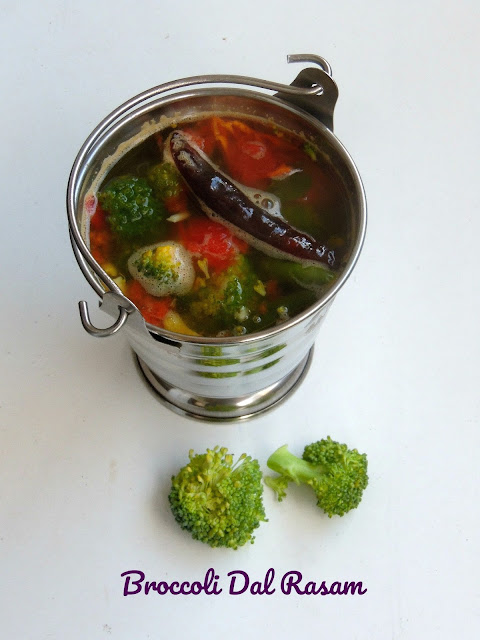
[272, 289]
[99, 221]
[152, 309]
[202, 135]
[101, 241]
[208, 239]
[101, 245]
[254, 148]
[252, 157]
[177, 203]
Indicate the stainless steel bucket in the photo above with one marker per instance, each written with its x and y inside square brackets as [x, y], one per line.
[215, 378]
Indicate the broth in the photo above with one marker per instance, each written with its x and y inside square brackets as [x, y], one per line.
[197, 259]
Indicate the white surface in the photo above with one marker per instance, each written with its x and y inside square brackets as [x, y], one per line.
[87, 452]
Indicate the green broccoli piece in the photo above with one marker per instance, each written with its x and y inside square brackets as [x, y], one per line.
[163, 269]
[310, 150]
[158, 267]
[218, 502]
[312, 277]
[133, 211]
[226, 302]
[338, 475]
[165, 180]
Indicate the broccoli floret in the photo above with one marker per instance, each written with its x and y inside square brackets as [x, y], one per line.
[225, 301]
[165, 180]
[158, 264]
[133, 211]
[337, 474]
[217, 501]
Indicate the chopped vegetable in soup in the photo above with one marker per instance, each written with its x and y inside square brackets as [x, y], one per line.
[221, 226]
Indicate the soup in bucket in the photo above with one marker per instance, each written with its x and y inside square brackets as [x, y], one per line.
[221, 226]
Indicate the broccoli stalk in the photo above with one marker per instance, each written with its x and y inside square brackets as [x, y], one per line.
[337, 475]
[217, 501]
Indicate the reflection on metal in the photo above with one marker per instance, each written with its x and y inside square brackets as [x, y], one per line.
[228, 409]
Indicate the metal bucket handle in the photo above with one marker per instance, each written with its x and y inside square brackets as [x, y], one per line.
[308, 86]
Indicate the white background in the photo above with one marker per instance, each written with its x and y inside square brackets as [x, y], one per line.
[87, 452]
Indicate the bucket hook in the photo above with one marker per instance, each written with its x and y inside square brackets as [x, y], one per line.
[101, 333]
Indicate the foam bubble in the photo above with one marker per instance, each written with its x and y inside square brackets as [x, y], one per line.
[182, 267]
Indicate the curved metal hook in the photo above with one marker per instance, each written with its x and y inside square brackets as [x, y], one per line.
[311, 57]
[101, 333]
